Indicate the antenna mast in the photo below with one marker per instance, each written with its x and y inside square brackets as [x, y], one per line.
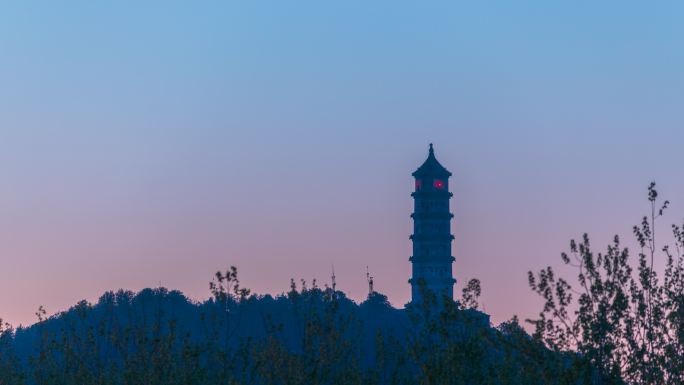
[370, 282]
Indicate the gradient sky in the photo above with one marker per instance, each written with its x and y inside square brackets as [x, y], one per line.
[157, 142]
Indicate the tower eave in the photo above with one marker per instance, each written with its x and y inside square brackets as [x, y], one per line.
[434, 172]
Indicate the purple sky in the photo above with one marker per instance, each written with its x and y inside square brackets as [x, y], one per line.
[158, 143]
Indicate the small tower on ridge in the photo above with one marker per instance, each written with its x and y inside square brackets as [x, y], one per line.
[369, 278]
[431, 260]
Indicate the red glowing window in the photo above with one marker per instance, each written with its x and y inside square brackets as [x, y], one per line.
[438, 184]
[418, 184]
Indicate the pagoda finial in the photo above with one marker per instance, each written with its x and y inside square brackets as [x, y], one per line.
[431, 150]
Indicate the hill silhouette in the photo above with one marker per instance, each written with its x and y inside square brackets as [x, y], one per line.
[307, 335]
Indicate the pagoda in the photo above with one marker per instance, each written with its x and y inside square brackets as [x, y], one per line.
[431, 260]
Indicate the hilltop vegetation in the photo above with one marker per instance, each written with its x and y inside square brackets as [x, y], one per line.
[306, 336]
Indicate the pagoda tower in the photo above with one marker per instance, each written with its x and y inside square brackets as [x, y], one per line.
[432, 259]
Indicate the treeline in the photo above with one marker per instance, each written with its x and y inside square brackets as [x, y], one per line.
[309, 335]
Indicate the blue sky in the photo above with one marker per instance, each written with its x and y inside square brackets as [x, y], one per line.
[159, 142]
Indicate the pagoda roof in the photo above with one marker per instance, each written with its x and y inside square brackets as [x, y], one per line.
[431, 167]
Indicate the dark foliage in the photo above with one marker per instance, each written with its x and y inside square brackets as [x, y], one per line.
[620, 315]
[306, 336]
